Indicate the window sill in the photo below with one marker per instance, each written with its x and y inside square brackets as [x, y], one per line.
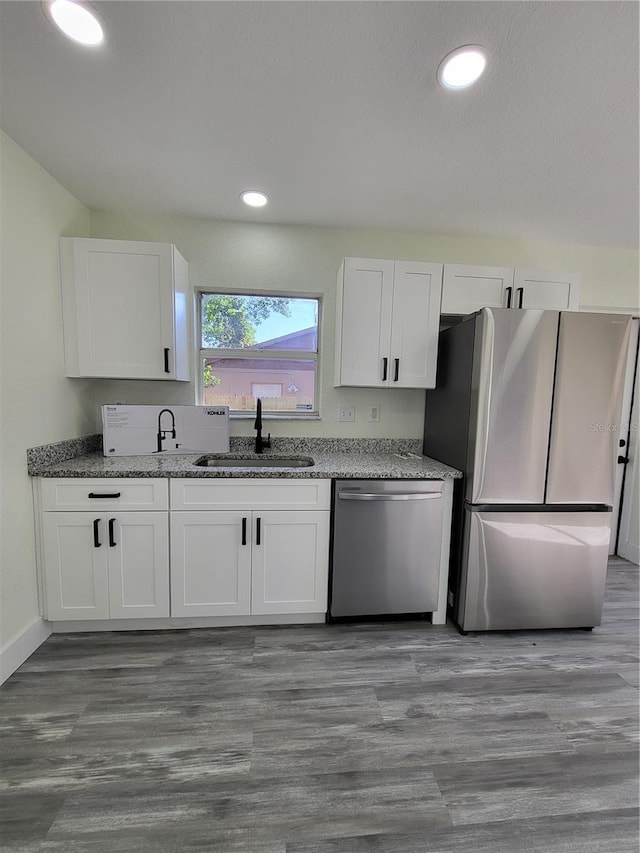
[273, 416]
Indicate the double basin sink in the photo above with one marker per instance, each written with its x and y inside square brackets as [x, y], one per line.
[253, 461]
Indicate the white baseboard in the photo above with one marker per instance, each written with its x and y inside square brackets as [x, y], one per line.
[171, 623]
[629, 552]
[17, 652]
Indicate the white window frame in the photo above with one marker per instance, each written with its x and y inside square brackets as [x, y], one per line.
[203, 353]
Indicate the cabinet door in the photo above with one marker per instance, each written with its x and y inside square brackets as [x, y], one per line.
[75, 565]
[414, 324]
[210, 563]
[365, 293]
[118, 308]
[290, 562]
[138, 559]
[547, 290]
[466, 289]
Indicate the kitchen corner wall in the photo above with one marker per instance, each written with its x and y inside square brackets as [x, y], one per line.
[38, 405]
[305, 259]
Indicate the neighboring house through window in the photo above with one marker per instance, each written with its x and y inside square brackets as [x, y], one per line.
[259, 345]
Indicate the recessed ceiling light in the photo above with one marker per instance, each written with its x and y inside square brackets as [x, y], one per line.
[462, 66]
[254, 198]
[77, 20]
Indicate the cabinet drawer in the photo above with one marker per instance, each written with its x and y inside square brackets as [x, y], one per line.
[254, 493]
[135, 493]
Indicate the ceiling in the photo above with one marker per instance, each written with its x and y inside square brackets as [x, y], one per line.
[333, 110]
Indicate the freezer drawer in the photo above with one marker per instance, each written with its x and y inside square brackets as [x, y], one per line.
[387, 539]
[533, 570]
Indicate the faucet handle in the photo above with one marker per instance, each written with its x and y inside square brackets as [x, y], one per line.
[267, 441]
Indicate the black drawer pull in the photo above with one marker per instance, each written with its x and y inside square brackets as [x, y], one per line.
[166, 360]
[112, 541]
[509, 291]
[96, 533]
[244, 531]
[104, 494]
[397, 370]
[385, 361]
[520, 291]
[257, 531]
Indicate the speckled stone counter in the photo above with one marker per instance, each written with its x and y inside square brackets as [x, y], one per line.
[333, 458]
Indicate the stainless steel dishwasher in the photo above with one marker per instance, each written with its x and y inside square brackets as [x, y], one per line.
[386, 547]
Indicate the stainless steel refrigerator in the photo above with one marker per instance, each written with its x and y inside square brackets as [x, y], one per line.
[527, 404]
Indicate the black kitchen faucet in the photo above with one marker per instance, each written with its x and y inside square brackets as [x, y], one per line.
[163, 433]
[261, 442]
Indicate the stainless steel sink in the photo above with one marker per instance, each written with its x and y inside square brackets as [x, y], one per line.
[254, 462]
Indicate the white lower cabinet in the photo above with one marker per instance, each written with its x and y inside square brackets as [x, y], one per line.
[110, 549]
[210, 564]
[258, 557]
[107, 566]
[105, 549]
[290, 563]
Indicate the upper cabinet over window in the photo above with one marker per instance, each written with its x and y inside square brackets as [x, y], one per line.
[467, 288]
[387, 323]
[125, 307]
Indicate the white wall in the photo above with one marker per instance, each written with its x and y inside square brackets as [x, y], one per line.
[38, 405]
[306, 259]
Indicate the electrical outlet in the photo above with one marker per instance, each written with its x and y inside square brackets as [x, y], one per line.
[374, 414]
[346, 413]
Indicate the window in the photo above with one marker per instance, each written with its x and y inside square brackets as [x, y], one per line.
[259, 346]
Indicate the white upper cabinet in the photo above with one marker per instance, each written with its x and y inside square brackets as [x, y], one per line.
[387, 323]
[125, 308]
[540, 289]
[467, 288]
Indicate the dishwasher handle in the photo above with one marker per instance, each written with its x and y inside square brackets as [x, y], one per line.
[382, 496]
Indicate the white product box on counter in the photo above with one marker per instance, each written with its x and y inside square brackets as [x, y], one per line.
[167, 430]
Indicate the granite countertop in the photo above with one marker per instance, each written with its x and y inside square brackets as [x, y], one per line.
[333, 458]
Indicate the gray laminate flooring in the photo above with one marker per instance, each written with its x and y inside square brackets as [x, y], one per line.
[394, 738]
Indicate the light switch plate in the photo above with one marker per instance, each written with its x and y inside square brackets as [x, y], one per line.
[374, 414]
[346, 413]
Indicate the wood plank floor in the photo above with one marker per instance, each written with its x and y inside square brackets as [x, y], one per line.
[394, 738]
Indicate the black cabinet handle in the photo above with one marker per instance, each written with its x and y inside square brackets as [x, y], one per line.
[244, 531]
[520, 292]
[112, 541]
[166, 360]
[257, 531]
[509, 292]
[385, 361]
[397, 370]
[104, 494]
[622, 460]
[96, 533]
